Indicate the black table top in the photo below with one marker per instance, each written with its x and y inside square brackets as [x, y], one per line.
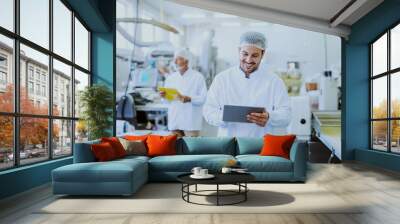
[220, 178]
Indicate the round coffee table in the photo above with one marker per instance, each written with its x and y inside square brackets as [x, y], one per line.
[238, 179]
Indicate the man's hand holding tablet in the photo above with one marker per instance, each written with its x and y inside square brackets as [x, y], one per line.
[259, 119]
[244, 114]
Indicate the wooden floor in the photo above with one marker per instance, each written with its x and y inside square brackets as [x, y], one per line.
[377, 188]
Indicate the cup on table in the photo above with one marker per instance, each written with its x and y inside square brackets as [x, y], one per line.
[203, 172]
[226, 170]
[196, 171]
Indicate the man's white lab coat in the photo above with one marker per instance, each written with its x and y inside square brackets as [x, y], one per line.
[261, 89]
[186, 116]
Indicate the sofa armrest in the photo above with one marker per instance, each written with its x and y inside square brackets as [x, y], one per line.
[83, 152]
[298, 155]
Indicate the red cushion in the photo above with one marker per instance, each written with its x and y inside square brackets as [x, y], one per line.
[103, 152]
[161, 145]
[116, 145]
[277, 145]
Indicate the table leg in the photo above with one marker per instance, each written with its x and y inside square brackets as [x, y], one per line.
[245, 193]
[196, 187]
[217, 194]
[188, 190]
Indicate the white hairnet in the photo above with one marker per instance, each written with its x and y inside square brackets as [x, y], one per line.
[183, 53]
[254, 39]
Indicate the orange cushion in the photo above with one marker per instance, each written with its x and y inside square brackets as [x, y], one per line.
[103, 152]
[136, 137]
[277, 145]
[116, 145]
[161, 145]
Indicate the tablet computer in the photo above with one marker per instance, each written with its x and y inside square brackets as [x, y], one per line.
[233, 113]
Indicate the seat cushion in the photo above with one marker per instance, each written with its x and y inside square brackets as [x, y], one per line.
[257, 163]
[206, 145]
[132, 159]
[248, 145]
[112, 171]
[185, 163]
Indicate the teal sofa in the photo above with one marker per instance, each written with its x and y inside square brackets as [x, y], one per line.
[125, 176]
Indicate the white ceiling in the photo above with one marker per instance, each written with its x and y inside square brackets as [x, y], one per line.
[320, 9]
[314, 15]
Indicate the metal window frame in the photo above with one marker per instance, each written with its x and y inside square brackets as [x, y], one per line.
[16, 115]
[388, 74]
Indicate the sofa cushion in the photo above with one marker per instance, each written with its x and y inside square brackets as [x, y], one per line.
[116, 145]
[206, 145]
[277, 145]
[161, 145]
[136, 137]
[257, 163]
[131, 158]
[185, 163]
[134, 147]
[247, 145]
[103, 152]
[112, 171]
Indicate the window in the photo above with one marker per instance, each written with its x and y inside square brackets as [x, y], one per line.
[46, 131]
[62, 137]
[37, 89]
[3, 78]
[34, 145]
[6, 142]
[44, 91]
[81, 81]
[385, 94]
[62, 74]
[3, 61]
[30, 72]
[30, 88]
[7, 14]
[3, 72]
[35, 21]
[37, 75]
[7, 73]
[55, 97]
[62, 29]
[395, 47]
[81, 45]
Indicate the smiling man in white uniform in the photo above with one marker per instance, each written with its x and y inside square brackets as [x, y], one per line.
[249, 84]
[184, 113]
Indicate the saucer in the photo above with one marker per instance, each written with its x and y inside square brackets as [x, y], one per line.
[208, 176]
